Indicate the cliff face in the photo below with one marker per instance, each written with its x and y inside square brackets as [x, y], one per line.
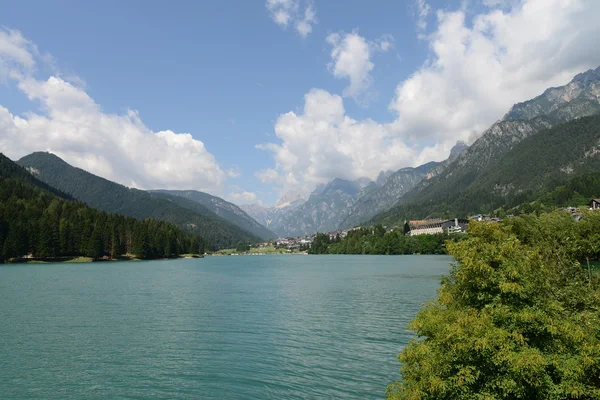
[452, 179]
[579, 98]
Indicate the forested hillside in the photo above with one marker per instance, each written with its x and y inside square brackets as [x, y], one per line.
[35, 221]
[472, 184]
[223, 209]
[9, 169]
[538, 164]
[114, 198]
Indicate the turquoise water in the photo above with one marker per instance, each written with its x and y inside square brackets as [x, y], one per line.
[271, 327]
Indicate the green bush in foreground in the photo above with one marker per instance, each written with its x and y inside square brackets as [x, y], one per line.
[518, 317]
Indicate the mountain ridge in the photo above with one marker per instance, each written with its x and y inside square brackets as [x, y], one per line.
[579, 98]
[224, 209]
[112, 197]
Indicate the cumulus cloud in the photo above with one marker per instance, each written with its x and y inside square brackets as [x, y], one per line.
[323, 142]
[351, 59]
[479, 66]
[119, 147]
[289, 12]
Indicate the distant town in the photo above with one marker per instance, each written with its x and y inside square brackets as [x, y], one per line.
[431, 226]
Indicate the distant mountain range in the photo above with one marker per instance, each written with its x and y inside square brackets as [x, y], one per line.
[111, 197]
[538, 145]
[496, 170]
[540, 135]
[343, 203]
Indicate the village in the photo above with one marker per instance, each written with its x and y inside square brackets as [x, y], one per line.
[417, 227]
[430, 226]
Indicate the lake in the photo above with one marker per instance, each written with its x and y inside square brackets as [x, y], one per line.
[248, 327]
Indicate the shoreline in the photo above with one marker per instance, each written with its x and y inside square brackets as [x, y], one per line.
[83, 259]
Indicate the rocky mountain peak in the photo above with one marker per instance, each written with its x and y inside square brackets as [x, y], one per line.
[290, 197]
[458, 148]
[342, 185]
[587, 77]
[382, 177]
[578, 98]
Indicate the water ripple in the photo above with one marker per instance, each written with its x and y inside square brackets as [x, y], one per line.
[229, 327]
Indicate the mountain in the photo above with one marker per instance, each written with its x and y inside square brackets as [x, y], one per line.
[457, 150]
[224, 209]
[10, 170]
[35, 221]
[570, 150]
[461, 186]
[274, 218]
[291, 199]
[114, 198]
[384, 196]
[576, 99]
[324, 210]
[341, 203]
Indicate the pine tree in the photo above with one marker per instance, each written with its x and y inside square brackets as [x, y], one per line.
[141, 248]
[95, 244]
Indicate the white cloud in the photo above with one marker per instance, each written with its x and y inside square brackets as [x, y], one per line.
[268, 175]
[234, 172]
[243, 197]
[351, 59]
[282, 11]
[494, 3]
[323, 143]
[384, 43]
[17, 55]
[479, 67]
[304, 25]
[119, 147]
[287, 12]
[423, 10]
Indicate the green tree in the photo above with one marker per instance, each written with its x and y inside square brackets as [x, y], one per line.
[379, 231]
[320, 244]
[141, 245]
[242, 247]
[95, 245]
[516, 319]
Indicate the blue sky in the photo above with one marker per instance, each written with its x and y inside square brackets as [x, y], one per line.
[226, 72]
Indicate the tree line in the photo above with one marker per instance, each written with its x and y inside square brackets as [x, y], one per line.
[35, 222]
[376, 240]
[111, 197]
